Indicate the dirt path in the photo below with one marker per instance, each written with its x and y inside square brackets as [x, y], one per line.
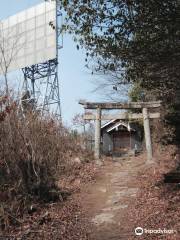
[106, 202]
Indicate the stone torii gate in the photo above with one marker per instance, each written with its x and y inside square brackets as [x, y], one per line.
[145, 115]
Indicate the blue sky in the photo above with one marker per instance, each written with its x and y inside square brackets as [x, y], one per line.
[76, 82]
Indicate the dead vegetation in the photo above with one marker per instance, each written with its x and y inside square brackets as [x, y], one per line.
[42, 164]
[36, 156]
[157, 204]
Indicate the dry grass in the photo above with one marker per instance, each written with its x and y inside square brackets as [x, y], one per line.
[157, 204]
[34, 153]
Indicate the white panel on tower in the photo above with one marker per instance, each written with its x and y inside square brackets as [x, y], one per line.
[29, 37]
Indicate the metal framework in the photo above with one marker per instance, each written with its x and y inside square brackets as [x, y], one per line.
[41, 81]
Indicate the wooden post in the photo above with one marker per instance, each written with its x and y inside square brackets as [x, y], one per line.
[147, 135]
[97, 134]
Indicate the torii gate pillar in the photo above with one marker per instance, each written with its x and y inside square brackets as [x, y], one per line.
[97, 134]
[147, 134]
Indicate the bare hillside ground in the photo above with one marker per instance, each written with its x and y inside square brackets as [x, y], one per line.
[108, 203]
[63, 219]
[130, 194]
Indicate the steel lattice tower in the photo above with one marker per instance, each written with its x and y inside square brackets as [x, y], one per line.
[41, 81]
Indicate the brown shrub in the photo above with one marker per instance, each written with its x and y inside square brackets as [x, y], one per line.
[34, 152]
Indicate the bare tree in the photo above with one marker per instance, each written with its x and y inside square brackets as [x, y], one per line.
[9, 48]
[88, 129]
[108, 82]
[78, 121]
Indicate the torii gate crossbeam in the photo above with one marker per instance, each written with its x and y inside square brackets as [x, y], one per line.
[145, 106]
